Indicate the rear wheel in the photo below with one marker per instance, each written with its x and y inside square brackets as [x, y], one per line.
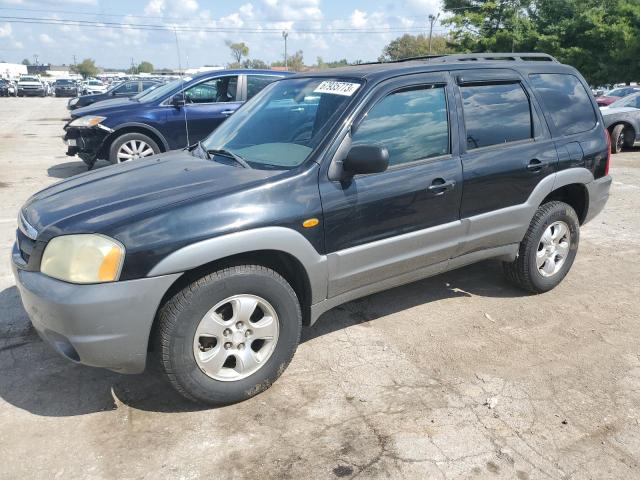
[617, 139]
[132, 146]
[229, 335]
[548, 249]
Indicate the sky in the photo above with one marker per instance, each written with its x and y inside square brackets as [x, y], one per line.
[113, 32]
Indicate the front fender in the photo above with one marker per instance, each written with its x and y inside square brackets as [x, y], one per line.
[268, 238]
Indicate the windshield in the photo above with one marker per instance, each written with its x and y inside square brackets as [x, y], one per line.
[65, 82]
[280, 127]
[632, 100]
[94, 82]
[29, 79]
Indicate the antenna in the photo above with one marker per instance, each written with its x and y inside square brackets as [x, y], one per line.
[184, 107]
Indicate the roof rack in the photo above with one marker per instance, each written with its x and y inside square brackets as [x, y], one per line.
[479, 57]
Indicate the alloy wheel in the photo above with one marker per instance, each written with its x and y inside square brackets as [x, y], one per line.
[133, 149]
[553, 249]
[236, 337]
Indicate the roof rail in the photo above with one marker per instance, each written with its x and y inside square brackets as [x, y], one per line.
[476, 57]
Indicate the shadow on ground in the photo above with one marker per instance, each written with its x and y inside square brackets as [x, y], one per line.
[35, 378]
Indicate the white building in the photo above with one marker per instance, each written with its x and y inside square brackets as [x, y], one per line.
[12, 70]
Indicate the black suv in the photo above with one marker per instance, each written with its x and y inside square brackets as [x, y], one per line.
[65, 87]
[323, 188]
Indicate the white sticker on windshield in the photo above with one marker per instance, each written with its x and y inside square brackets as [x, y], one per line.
[337, 88]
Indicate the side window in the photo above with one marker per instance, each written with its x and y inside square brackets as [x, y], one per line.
[255, 83]
[215, 90]
[146, 85]
[411, 123]
[566, 100]
[495, 114]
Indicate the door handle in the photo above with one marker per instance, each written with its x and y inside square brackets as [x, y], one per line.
[226, 113]
[535, 165]
[439, 186]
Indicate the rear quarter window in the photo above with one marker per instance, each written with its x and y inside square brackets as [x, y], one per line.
[566, 101]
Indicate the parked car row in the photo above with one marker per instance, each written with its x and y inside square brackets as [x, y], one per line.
[126, 89]
[159, 118]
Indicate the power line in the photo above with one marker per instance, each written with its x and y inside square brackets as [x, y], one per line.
[196, 29]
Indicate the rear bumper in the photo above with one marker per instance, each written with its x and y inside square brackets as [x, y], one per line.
[598, 195]
[104, 325]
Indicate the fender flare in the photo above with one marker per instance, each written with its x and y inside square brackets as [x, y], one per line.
[279, 239]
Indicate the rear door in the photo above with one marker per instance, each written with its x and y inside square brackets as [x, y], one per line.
[383, 226]
[506, 151]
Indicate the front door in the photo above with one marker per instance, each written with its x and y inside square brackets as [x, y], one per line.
[397, 223]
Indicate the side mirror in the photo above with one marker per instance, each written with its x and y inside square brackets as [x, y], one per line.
[178, 100]
[364, 159]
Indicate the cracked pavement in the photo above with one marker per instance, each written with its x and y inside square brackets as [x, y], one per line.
[457, 376]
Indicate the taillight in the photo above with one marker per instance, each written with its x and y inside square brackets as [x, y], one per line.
[608, 161]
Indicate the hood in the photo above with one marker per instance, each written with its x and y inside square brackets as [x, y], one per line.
[105, 107]
[611, 110]
[97, 200]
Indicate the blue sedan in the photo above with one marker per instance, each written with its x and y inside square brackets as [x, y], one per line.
[172, 116]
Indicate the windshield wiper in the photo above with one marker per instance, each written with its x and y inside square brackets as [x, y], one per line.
[226, 153]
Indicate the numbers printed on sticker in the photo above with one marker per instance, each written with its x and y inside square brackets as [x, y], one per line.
[337, 88]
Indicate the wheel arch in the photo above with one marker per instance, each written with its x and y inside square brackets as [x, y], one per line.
[574, 194]
[125, 128]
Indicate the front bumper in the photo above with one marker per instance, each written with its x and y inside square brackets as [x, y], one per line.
[35, 92]
[103, 325]
[598, 191]
[86, 142]
[66, 93]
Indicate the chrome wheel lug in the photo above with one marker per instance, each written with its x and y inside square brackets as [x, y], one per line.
[228, 345]
[239, 325]
[226, 332]
[248, 333]
[241, 346]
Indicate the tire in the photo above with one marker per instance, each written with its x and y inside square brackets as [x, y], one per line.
[617, 139]
[139, 144]
[179, 344]
[525, 271]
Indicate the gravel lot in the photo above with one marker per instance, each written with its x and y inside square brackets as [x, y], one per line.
[457, 376]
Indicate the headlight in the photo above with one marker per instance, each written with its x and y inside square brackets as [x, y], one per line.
[87, 121]
[73, 101]
[83, 258]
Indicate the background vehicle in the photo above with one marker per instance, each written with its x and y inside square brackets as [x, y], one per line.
[118, 90]
[7, 88]
[65, 87]
[622, 119]
[172, 116]
[30, 85]
[615, 94]
[324, 188]
[91, 87]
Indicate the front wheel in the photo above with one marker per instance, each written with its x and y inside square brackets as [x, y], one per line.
[132, 146]
[548, 249]
[229, 335]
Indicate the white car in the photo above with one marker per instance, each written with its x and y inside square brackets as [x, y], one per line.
[31, 85]
[93, 86]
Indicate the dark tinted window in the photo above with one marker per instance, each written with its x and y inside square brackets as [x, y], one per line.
[215, 90]
[255, 83]
[412, 124]
[495, 114]
[566, 100]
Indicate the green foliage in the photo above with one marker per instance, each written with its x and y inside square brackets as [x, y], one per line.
[26, 62]
[322, 65]
[414, 46]
[255, 63]
[87, 68]
[238, 50]
[601, 38]
[145, 67]
[295, 62]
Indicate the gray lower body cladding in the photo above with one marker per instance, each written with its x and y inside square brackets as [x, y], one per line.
[102, 325]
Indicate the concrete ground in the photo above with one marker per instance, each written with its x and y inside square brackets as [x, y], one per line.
[457, 376]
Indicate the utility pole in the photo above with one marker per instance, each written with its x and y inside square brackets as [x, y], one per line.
[432, 19]
[285, 34]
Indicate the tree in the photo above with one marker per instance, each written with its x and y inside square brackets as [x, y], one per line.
[145, 67]
[87, 68]
[601, 38]
[408, 46]
[26, 62]
[322, 65]
[296, 61]
[238, 50]
[255, 63]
